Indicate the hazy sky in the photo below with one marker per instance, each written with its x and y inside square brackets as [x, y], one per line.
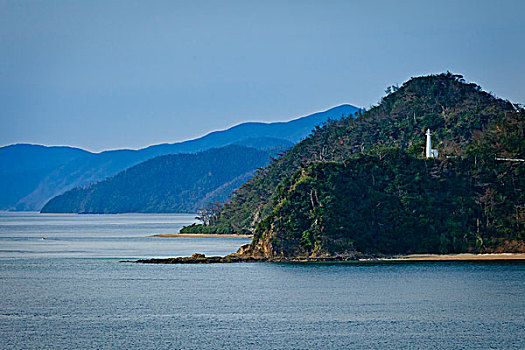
[115, 74]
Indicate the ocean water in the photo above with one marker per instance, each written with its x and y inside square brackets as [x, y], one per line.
[71, 291]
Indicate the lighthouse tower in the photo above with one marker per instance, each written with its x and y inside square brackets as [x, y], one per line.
[430, 153]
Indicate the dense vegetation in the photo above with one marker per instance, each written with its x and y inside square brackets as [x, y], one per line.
[172, 183]
[363, 183]
[392, 202]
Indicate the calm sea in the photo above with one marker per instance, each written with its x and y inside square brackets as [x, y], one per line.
[70, 291]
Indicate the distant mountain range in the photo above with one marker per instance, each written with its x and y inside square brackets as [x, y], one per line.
[172, 183]
[30, 175]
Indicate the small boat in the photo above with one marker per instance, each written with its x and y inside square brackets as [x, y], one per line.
[45, 237]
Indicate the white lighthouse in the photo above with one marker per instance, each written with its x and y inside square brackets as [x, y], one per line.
[430, 153]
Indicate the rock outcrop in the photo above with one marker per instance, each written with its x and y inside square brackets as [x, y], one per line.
[247, 254]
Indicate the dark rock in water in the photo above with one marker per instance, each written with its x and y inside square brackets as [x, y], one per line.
[198, 256]
[246, 254]
[201, 259]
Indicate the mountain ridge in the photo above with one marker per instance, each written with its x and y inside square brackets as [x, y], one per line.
[90, 167]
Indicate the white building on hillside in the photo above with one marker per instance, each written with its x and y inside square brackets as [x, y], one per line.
[430, 153]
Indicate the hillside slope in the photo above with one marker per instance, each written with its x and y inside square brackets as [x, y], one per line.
[24, 166]
[165, 184]
[394, 203]
[455, 111]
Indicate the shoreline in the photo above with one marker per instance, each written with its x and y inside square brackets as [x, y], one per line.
[453, 257]
[201, 235]
[415, 258]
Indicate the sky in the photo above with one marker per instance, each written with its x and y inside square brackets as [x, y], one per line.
[127, 74]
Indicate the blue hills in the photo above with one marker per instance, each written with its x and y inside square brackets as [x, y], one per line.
[174, 183]
[30, 175]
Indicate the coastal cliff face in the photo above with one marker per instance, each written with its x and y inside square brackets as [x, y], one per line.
[363, 184]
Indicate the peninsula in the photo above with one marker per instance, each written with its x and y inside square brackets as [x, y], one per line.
[378, 187]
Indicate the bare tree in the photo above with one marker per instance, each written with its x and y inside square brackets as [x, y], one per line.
[210, 215]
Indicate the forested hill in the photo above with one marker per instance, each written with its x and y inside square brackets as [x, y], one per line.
[457, 113]
[391, 202]
[172, 183]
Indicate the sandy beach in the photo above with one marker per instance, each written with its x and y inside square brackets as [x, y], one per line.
[455, 257]
[201, 235]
